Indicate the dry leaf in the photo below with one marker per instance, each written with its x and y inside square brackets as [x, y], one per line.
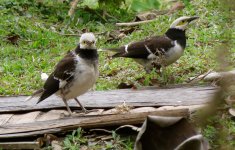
[149, 15]
[154, 13]
[177, 6]
[123, 108]
[125, 86]
[113, 73]
[116, 35]
[56, 145]
[46, 140]
[13, 39]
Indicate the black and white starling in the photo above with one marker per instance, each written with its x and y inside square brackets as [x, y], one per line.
[158, 51]
[74, 75]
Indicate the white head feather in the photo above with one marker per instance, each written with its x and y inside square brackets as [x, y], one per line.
[182, 22]
[87, 41]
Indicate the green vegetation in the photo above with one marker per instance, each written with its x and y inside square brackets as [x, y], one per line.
[220, 131]
[46, 33]
[44, 27]
[77, 141]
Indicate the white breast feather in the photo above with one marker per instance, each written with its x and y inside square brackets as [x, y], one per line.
[173, 54]
[84, 78]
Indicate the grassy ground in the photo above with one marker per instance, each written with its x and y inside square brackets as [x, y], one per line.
[44, 27]
[41, 45]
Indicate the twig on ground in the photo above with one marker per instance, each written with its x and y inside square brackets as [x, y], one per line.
[103, 130]
[129, 24]
[107, 14]
[73, 7]
[177, 6]
[79, 34]
[70, 34]
[129, 126]
[199, 77]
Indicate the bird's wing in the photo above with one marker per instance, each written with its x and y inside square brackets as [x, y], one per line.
[142, 49]
[63, 73]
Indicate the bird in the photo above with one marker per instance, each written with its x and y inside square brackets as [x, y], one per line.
[73, 75]
[157, 51]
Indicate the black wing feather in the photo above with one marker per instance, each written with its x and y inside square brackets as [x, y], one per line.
[63, 71]
[138, 49]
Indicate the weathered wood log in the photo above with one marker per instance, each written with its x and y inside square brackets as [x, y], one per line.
[20, 145]
[177, 96]
[31, 120]
[70, 123]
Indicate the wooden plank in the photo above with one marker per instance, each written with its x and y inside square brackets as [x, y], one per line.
[20, 145]
[58, 114]
[192, 108]
[71, 123]
[108, 99]
[4, 118]
[30, 134]
[51, 115]
[23, 118]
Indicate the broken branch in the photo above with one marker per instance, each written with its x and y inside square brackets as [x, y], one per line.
[73, 7]
[129, 24]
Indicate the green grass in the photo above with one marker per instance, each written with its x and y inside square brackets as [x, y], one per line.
[220, 131]
[77, 141]
[41, 45]
[41, 27]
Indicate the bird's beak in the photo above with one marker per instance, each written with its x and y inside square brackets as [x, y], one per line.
[192, 18]
[89, 43]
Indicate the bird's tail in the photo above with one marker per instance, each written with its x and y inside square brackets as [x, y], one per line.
[115, 50]
[117, 55]
[38, 93]
[110, 49]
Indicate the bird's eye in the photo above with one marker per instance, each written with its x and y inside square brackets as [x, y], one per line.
[92, 42]
[84, 42]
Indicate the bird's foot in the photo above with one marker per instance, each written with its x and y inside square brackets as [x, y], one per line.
[77, 113]
[68, 114]
[85, 111]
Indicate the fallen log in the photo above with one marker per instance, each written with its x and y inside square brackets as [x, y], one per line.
[150, 97]
[20, 145]
[71, 123]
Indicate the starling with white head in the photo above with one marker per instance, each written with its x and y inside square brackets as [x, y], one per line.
[74, 75]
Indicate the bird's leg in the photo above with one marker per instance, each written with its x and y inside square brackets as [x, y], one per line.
[65, 102]
[148, 71]
[67, 106]
[158, 68]
[83, 108]
[164, 74]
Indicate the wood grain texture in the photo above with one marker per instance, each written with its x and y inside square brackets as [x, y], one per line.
[20, 145]
[20, 118]
[70, 123]
[4, 118]
[179, 96]
[23, 118]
